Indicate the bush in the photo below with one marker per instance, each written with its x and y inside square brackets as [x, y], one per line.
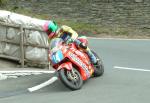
[3, 2]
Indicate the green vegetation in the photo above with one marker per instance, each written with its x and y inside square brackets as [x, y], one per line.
[3, 2]
[89, 29]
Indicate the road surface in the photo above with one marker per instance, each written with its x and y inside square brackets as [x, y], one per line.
[126, 78]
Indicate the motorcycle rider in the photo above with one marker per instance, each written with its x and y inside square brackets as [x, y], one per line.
[68, 35]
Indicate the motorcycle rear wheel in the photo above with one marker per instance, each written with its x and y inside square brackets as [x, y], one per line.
[75, 82]
[99, 67]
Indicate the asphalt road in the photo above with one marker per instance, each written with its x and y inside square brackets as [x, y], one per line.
[115, 86]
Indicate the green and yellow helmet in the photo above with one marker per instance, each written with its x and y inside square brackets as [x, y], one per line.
[50, 27]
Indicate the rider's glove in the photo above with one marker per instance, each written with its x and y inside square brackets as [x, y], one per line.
[83, 46]
[69, 41]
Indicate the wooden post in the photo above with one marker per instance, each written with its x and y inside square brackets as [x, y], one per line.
[22, 46]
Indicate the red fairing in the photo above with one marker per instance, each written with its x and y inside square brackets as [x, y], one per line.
[66, 65]
[81, 60]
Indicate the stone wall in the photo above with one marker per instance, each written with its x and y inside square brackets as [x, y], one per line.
[124, 13]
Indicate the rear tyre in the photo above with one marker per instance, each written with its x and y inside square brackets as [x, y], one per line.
[72, 80]
[99, 67]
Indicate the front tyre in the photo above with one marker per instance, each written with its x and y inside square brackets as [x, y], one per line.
[99, 67]
[71, 78]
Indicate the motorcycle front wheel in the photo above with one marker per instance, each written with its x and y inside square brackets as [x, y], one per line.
[71, 78]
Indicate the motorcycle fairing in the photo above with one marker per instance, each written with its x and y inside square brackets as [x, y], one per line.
[82, 67]
[66, 65]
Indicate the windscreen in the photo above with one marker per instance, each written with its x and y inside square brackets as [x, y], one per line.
[55, 43]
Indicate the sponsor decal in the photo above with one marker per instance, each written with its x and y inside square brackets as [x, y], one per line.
[79, 62]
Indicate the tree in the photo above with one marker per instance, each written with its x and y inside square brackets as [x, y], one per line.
[3, 2]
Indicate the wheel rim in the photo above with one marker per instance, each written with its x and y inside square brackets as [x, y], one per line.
[73, 78]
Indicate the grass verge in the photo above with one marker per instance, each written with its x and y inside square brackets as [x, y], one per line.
[90, 29]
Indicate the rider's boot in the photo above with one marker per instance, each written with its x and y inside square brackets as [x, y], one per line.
[91, 56]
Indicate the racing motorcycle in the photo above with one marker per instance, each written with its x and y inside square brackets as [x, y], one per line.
[73, 66]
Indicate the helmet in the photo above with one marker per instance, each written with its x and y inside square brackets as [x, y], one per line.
[83, 39]
[50, 27]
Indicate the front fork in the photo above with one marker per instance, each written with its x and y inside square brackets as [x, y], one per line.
[70, 71]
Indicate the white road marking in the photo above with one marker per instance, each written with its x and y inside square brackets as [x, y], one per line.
[15, 74]
[46, 83]
[27, 71]
[135, 69]
[3, 77]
